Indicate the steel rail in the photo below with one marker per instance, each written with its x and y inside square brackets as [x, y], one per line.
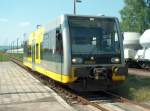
[59, 89]
[125, 100]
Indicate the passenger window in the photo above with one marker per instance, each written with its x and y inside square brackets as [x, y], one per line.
[29, 51]
[52, 46]
[25, 49]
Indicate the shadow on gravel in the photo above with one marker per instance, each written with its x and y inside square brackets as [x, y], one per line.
[135, 88]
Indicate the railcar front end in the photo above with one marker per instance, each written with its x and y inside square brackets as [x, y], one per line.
[97, 58]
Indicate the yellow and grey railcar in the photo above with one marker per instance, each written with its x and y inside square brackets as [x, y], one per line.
[84, 52]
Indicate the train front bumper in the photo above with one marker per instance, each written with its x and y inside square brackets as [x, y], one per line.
[119, 73]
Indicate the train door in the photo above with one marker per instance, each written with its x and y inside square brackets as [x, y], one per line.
[59, 50]
[37, 53]
[33, 54]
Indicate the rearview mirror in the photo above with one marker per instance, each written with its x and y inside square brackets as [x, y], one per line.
[122, 36]
[59, 36]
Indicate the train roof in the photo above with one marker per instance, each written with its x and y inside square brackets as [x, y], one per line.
[95, 16]
[57, 21]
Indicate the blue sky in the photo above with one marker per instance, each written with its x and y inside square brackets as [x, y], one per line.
[22, 16]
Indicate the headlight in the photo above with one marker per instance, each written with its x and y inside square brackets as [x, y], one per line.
[77, 60]
[115, 60]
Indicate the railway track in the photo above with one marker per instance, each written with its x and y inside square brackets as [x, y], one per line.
[78, 98]
[139, 72]
[125, 100]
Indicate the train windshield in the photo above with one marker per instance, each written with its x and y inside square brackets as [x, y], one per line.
[94, 35]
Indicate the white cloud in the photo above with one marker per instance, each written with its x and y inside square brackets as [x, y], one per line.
[24, 24]
[3, 20]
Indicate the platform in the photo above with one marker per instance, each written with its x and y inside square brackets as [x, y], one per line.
[20, 91]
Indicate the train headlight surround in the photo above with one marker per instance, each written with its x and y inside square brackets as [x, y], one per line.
[77, 60]
[115, 60]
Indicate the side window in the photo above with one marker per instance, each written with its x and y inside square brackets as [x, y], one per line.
[45, 53]
[52, 46]
[25, 49]
[29, 51]
[46, 41]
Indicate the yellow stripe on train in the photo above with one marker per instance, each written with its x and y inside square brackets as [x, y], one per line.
[118, 77]
[56, 76]
[28, 64]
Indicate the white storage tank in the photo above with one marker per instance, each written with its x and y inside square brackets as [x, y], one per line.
[20, 51]
[129, 53]
[131, 40]
[143, 54]
[145, 39]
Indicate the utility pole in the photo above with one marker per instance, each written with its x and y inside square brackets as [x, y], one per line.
[13, 46]
[24, 39]
[10, 48]
[75, 1]
[17, 45]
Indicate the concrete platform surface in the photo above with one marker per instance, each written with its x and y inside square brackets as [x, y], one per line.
[19, 91]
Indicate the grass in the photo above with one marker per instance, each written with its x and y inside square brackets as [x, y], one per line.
[135, 88]
[18, 56]
[3, 58]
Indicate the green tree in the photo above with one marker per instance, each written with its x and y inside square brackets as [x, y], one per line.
[135, 16]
